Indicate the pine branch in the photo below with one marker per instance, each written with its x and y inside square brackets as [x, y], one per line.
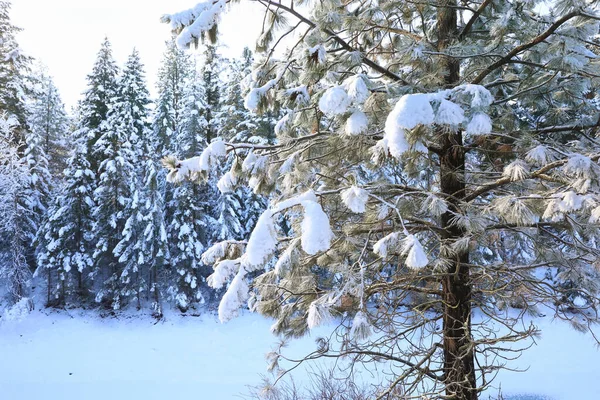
[376, 67]
[519, 49]
[474, 18]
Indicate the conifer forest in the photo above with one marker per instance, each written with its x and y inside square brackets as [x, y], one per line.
[412, 185]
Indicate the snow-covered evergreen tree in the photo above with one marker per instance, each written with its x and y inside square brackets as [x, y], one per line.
[191, 222]
[15, 220]
[212, 67]
[98, 99]
[66, 239]
[436, 159]
[117, 195]
[14, 67]
[154, 244]
[173, 73]
[129, 119]
[38, 188]
[48, 121]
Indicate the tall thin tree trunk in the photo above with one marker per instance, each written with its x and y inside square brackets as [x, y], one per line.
[459, 363]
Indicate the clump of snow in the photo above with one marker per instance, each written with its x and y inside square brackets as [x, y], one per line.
[516, 170]
[195, 21]
[411, 110]
[262, 242]
[552, 211]
[538, 154]
[316, 230]
[300, 94]
[288, 164]
[355, 199]
[383, 246]
[214, 253]
[319, 53]
[282, 125]
[395, 141]
[249, 161]
[235, 297]
[480, 124]
[223, 271]
[357, 123]
[253, 97]
[334, 101]
[415, 255]
[209, 157]
[254, 164]
[357, 88]
[380, 150]
[435, 205]
[571, 201]
[578, 164]
[361, 329]
[227, 183]
[449, 113]
[318, 313]
[481, 97]
[286, 257]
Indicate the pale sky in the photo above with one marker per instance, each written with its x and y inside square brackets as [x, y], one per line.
[66, 34]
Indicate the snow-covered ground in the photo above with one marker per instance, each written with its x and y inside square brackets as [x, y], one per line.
[57, 356]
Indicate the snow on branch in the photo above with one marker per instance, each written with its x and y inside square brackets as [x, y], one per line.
[316, 237]
[192, 23]
[252, 99]
[195, 168]
[442, 108]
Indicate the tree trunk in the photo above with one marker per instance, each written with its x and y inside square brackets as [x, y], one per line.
[459, 365]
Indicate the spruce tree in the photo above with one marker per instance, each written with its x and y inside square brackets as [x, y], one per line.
[438, 166]
[14, 68]
[212, 67]
[97, 101]
[117, 194]
[130, 119]
[48, 120]
[172, 75]
[191, 222]
[66, 239]
[153, 240]
[15, 225]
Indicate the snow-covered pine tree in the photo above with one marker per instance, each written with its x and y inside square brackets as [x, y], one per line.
[191, 222]
[172, 75]
[66, 239]
[14, 67]
[38, 189]
[98, 99]
[437, 155]
[117, 213]
[154, 244]
[14, 217]
[129, 119]
[212, 68]
[49, 121]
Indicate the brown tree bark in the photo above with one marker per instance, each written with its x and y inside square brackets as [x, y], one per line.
[459, 363]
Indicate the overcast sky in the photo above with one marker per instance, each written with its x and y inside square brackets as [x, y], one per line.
[66, 34]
